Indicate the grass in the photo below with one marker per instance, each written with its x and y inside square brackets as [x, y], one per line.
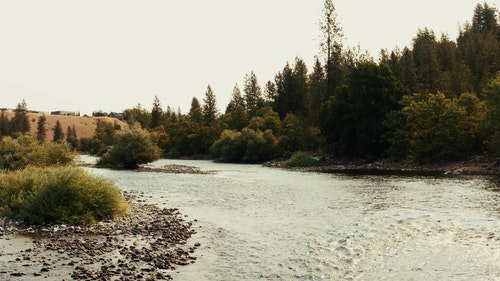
[44, 195]
[301, 159]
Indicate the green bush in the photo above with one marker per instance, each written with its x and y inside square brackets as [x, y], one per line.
[59, 195]
[26, 150]
[249, 146]
[130, 149]
[301, 159]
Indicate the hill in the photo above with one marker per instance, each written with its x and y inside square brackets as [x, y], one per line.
[85, 126]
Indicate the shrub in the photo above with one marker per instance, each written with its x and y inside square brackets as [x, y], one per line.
[26, 150]
[59, 195]
[249, 146]
[301, 159]
[131, 149]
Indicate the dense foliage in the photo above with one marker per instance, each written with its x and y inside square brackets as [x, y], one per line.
[24, 151]
[435, 100]
[59, 195]
[130, 149]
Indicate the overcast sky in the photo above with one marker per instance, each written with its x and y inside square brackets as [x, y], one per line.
[112, 55]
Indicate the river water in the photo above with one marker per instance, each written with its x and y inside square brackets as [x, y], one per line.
[258, 223]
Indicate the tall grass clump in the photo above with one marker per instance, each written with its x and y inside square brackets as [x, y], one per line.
[301, 159]
[44, 195]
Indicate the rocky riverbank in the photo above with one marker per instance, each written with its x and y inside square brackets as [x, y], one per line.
[478, 165]
[145, 245]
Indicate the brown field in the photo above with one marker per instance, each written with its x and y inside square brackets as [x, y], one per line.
[85, 126]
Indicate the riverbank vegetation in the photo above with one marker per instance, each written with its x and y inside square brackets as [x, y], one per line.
[39, 184]
[434, 101]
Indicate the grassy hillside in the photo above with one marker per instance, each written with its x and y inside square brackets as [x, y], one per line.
[85, 126]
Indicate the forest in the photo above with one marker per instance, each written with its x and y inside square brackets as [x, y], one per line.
[436, 100]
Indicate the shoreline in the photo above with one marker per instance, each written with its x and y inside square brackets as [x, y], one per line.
[148, 243]
[478, 165]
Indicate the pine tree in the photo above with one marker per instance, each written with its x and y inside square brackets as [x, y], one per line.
[20, 123]
[253, 94]
[425, 57]
[58, 132]
[156, 113]
[236, 100]
[195, 112]
[41, 131]
[4, 124]
[71, 137]
[332, 47]
[317, 90]
[210, 111]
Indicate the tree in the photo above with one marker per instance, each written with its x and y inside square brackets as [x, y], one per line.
[156, 113]
[479, 46]
[20, 122]
[71, 137]
[40, 130]
[353, 120]
[4, 124]
[247, 145]
[425, 57]
[132, 148]
[439, 128]
[292, 138]
[253, 94]
[236, 100]
[210, 111]
[492, 118]
[139, 115]
[332, 47]
[317, 90]
[104, 137]
[292, 90]
[58, 132]
[195, 112]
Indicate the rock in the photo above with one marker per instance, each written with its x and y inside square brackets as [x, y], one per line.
[147, 240]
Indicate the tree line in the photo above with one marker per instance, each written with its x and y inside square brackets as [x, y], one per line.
[436, 100]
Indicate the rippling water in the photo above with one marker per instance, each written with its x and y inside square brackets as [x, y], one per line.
[257, 223]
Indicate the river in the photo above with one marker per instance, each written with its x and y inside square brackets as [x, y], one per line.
[259, 223]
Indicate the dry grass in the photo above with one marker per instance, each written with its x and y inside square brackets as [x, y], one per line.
[85, 126]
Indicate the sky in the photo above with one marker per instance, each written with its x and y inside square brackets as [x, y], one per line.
[112, 55]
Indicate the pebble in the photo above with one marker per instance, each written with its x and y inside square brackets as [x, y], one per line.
[144, 245]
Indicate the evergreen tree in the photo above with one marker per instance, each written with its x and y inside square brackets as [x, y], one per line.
[353, 120]
[156, 113]
[425, 57]
[195, 112]
[271, 93]
[210, 111]
[71, 137]
[253, 94]
[317, 90]
[236, 101]
[20, 123]
[40, 130]
[479, 46]
[58, 132]
[284, 88]
[332, 47]
[4, 124]
[292, 90]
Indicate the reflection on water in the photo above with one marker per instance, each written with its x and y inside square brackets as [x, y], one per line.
[257, 223]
